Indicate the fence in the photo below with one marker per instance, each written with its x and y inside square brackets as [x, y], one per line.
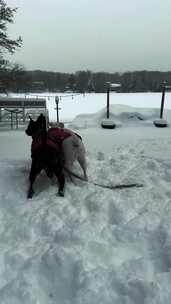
[16, 109]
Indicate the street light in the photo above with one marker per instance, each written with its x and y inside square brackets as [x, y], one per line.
[57, 108]
[107, 123]
[161, 123]
[109, 87]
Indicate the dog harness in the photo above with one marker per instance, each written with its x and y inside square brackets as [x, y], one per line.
[55, 138]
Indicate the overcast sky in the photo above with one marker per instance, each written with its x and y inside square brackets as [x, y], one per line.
[96, 35]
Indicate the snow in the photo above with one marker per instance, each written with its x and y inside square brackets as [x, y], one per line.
[95, 245]
[72, 105]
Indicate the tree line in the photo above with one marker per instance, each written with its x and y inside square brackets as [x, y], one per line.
[20, 80]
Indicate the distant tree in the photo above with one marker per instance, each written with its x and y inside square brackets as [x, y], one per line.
[20, 80]
[6, 17]
[7, 45]
[71, 82]
[100, 79]
[82, 80]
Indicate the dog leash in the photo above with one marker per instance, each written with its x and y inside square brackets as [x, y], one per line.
[120, 186]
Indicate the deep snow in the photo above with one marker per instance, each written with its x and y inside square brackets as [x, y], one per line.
[94, 245]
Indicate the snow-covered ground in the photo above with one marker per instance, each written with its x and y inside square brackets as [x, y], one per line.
[94, 245]
[72, 105]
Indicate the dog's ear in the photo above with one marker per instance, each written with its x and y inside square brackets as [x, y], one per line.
[30, 117]
[41, 120]
[41, 116]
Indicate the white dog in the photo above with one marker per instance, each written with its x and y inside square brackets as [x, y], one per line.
[74, 150]
[72, 146]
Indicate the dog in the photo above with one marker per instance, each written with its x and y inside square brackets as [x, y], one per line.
[72, 146]
[53, 150]
[74, 150]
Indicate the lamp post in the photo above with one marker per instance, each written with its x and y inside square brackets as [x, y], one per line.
[108, 92]
[162, 100]
[110, 86]
[107, 123]
[162, 122]
[57, 108]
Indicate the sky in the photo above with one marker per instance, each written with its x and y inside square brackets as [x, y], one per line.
[96, 35]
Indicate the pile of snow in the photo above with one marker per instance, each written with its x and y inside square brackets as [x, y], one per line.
[121, 115]
[95, 245]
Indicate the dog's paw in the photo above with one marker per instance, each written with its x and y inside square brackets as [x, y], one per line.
[61, 193]
[30, 194]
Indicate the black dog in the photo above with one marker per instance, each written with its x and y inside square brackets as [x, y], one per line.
[44, 155]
